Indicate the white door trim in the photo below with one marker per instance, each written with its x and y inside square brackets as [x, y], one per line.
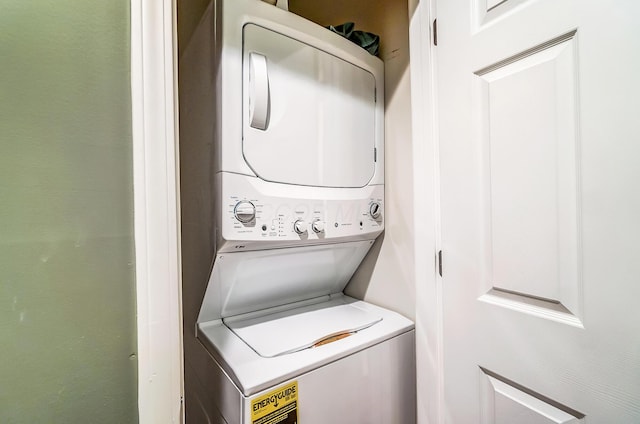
[156, 204]
[429, 312]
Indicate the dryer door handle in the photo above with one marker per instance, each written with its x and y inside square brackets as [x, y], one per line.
[259, 95]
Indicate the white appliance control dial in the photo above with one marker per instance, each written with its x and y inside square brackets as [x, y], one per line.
[375, 209]
[318, 226]
[300, 226]
[244, 211]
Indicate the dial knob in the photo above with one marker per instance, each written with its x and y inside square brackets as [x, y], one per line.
[300, 227]
[375, 209]
[244, 211]
[318, 226]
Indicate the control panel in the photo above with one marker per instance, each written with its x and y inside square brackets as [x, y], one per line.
[248, 214]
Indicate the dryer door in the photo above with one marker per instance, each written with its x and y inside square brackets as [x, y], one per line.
[309, 117]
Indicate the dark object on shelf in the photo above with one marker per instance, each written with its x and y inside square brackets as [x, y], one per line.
[367, 40]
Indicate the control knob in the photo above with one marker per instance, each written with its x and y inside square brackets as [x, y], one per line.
[318, 226]
[375, 209]
[244, 211]
[300, 226]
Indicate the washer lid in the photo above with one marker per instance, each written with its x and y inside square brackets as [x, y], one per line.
[245, 282]
[301, 328]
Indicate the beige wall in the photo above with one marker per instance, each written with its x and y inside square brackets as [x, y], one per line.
[386, 277]
[189, 14]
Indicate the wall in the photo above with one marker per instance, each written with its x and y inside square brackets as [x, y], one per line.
[196, 82]
[189, 14]
[67, 284]
[386, 277]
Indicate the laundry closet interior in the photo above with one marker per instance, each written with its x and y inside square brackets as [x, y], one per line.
[383, 278]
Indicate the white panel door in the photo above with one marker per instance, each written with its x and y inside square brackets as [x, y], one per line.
[540, 161]
[309, 117]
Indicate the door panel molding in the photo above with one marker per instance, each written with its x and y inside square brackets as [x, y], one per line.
[504, 401]
[528, 121]
[487, 12]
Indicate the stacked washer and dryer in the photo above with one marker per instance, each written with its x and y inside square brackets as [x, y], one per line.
[296, 116]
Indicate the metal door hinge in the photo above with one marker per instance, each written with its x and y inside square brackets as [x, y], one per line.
[440, 262]
[435, 32]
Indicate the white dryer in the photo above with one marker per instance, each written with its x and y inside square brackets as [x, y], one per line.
[299, 200]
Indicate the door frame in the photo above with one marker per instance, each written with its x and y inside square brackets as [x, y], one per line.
[156, 210]
[429, 301]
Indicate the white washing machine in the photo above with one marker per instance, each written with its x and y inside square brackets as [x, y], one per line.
[298, 132]
[326, 359]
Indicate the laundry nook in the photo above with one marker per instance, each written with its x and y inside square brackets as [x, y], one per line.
[294, 115]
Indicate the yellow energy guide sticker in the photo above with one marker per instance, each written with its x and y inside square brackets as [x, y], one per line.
[279, 406]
